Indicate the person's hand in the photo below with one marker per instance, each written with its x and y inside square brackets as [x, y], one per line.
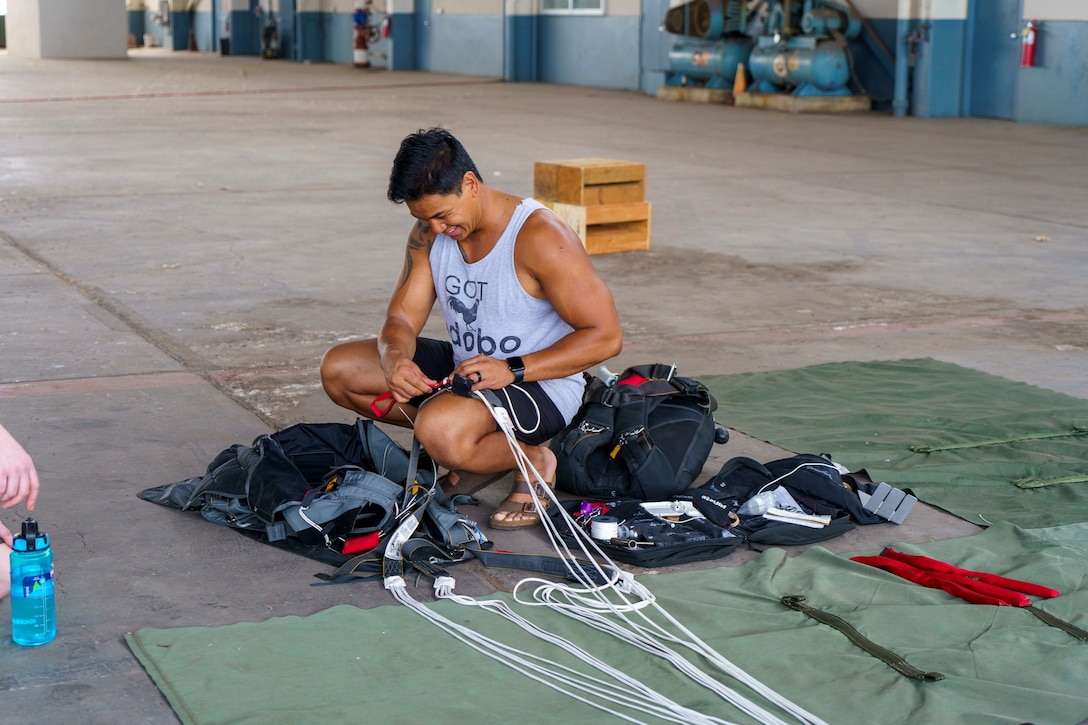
[6, 536]
[486, 373]
[18, 476]
[406, 381]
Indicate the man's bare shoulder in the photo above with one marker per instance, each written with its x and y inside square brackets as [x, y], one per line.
[417, 254]
[545, 234]
[421, 238]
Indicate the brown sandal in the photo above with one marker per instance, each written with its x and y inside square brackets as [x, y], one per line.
[527, 508]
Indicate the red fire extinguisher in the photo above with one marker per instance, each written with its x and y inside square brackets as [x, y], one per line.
[387, 27]
[1027, 47]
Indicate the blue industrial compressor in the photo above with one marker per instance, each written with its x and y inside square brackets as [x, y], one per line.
[813, 62]
[712, 46]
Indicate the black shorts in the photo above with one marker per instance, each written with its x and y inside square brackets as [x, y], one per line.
[535, 417]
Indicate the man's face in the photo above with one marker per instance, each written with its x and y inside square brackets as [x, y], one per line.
[449, 214]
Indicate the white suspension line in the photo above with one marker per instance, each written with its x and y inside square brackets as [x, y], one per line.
[589, 604]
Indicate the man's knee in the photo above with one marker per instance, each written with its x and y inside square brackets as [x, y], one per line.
[448, 436]
[332, 372]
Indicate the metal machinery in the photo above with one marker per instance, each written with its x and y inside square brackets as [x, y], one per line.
[812, 62]
[712, 45]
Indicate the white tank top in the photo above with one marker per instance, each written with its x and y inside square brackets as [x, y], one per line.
[488, 312]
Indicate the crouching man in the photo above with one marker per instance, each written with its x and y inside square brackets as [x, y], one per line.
[525, 310]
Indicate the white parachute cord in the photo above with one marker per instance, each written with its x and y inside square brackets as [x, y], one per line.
[649, 638]
[598, 602]
[577, 605]
[537, 484]
[644, 699]
[597, 693]
[591, 602]
[650, 644]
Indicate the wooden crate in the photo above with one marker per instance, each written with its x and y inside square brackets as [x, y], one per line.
[589, 182]
[606, 228]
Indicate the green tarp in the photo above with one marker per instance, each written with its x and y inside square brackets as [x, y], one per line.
[979, 446]
[388, 665]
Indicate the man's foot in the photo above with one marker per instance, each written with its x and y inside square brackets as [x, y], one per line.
[519, 511]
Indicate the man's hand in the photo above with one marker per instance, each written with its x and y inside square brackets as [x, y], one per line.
[486, 373]
[406, 380]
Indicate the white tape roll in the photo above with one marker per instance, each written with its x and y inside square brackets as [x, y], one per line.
[604, 528]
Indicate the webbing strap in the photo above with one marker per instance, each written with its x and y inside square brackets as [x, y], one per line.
[1067, 627]
[539, 563]
[428, 558]
[1030, 482]
[362, 568]
[1073, 432]
[889, 658]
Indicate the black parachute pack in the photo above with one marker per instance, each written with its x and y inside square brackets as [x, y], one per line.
[643, 434]
[812, 482]
[710, 521]
[318, 488]
[316, 485]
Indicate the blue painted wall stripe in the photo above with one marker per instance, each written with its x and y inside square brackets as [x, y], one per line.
[939, 71]
[403, 35]
[521, 48]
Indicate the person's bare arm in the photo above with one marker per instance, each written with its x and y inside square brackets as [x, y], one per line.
[18, 478]
[409, 307]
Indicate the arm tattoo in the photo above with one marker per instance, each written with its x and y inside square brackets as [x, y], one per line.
[419, 238]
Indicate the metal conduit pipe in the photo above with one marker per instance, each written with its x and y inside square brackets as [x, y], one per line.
[902, 59]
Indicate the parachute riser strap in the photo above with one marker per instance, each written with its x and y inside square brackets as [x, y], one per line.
[1075, 432]
[413, 468]
[1030, 482]
[888, 657]
[1067, 627]
[364, 567]
[538, 563]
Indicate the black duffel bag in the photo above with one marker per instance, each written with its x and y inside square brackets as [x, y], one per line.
[644, 434]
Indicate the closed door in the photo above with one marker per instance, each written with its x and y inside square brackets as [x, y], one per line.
[994, 57]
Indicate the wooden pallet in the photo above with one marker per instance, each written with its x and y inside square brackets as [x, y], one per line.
[810, 104]
[607, 228]
[603, 200]
[589, 181]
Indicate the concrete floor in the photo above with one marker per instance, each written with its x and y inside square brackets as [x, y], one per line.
[182, 236]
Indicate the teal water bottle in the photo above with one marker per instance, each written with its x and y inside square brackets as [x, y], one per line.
[33, 612]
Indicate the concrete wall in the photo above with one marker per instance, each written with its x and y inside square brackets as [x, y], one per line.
[67, 29]
[592, 50]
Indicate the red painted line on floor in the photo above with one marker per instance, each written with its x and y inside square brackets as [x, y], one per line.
[77, 386]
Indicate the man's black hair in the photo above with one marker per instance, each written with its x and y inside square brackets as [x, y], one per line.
[429, 162]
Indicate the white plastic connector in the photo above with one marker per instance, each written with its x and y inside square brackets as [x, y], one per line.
[606, 376]
[395, 582]
[626, 582]
[443, 586]
[504, 418]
